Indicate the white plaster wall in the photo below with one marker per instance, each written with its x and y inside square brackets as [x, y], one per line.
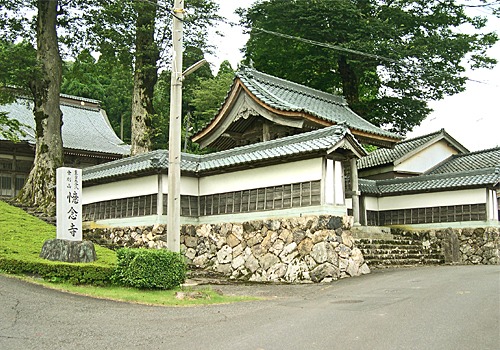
[427, 158]
[300, 171]
[189, 185]
[329, 182]
[120, 189]
[492, 206]
[434, 199]
[371, 203]
[339, 184]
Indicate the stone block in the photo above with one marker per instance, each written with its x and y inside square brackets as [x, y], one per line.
[323, 271]
[252, 263]
[68, 251]
[225, 255]
[319, 252]
[268, 260]
[232, 240]
[305, 246]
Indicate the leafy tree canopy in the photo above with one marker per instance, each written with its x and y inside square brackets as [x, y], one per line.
[387, 57]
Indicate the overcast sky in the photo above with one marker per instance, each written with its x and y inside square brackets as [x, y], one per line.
[471, 117]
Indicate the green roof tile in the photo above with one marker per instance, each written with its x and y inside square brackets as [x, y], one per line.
[432, 183]
[84, 128]
[383, 156]
[315, 141]
[288, 96]
[469, 161]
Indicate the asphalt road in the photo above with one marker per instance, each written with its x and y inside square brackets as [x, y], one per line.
[448, 307]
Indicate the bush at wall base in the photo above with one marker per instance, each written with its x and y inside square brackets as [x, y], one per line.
[149, 268]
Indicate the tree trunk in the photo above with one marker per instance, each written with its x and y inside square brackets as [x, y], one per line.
[145, 77]
[350, 83]
[39, 190]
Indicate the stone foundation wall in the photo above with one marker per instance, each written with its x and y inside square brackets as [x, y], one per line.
[305, 249]
[469, 246]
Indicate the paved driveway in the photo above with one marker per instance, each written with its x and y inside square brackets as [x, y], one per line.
[452, 307]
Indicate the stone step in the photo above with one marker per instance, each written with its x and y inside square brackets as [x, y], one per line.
[371, 232]
[401, 252]
[388, 241]
[33, 212]
[390, 246]
[374, 263]
[402, 256]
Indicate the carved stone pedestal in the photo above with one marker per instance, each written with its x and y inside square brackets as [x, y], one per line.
[68, 251]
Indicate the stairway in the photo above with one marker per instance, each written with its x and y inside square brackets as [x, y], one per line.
[384, 249]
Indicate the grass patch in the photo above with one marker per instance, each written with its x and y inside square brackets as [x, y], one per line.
[21, 240]
[22, 237]
[193, 297]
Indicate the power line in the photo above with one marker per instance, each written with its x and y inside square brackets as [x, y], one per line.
[327, 45]
[351, 51]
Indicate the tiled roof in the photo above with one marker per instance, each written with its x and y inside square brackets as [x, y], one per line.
[288, 96]
[469, 161]
[403, 148]
[321, 140]
[432, 183]
[84, 128]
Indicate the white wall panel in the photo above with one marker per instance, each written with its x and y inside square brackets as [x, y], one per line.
[121, 189]
[301, 171]
[434, 199]
[426, 159]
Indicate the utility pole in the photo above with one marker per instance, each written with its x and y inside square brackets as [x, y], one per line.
[174, 143]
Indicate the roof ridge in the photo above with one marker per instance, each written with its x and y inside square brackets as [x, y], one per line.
[423, 177]
[270, 143]
[477, 152]
[435, 133]
[286, 84]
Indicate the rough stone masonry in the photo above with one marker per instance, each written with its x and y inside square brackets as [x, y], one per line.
[303, 249]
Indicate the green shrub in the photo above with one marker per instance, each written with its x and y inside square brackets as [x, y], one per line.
[59, 271]
[147, 268]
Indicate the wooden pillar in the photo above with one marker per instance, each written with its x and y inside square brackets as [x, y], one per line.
[355, 192]
[266, 133]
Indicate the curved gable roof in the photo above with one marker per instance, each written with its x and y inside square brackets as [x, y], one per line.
[284, 97]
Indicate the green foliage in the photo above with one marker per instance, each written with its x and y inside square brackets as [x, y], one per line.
[109, 80]
[21, 240]
[59, 271]
[19, 67]
[210, 94]
[149, 269]
[10, 129]
[409, 52]
[162, 100]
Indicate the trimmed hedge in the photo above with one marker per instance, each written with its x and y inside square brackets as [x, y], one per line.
[149, 269]
[59, 272]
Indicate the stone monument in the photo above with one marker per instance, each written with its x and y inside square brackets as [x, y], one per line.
[68, 246]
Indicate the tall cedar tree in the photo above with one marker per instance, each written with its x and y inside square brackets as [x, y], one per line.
[143, 29]
[38, 190]
[145, 76]
[414, 51]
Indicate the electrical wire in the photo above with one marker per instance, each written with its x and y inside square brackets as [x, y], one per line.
[356, 52]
